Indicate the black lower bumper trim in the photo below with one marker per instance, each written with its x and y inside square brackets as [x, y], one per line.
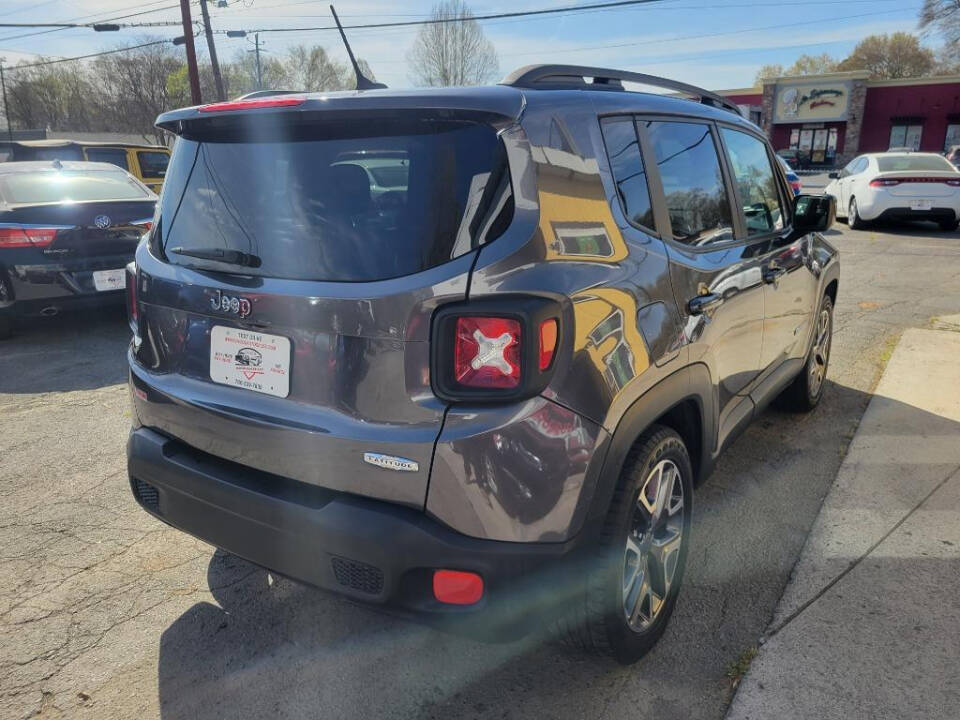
[367, 549]
[906, 214]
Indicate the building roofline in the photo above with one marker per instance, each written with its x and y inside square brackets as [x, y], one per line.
[859, 74]
[935, 80]
[740, 91]
[848, 75]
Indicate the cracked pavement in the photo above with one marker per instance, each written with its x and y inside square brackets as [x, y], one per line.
[107, 613]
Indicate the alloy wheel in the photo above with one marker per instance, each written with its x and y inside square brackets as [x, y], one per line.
[653, 545]
[820, 353]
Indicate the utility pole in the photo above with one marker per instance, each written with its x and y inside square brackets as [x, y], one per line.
[217, 78]
[256, 38]
[6, 105]
[191, 52]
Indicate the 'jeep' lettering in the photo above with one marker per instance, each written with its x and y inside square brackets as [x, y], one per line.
[236, 305]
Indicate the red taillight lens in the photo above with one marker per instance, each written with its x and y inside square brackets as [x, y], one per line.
[21, 236]
[133, 312]
[884, 183]
[254, 103]
[486, 352]
[457, 588]
[548, 342]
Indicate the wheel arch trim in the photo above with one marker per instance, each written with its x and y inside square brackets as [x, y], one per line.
[692, 383]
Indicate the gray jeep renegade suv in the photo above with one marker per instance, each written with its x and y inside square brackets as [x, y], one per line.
[467, 352]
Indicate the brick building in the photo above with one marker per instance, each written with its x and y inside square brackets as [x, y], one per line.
[825, 120]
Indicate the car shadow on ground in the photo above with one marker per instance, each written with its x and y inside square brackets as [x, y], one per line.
[70, 351]
[284, 650]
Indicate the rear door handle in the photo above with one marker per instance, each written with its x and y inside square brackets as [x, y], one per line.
[704, 303]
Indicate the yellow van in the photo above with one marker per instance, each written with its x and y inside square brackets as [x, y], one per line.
[148, 163]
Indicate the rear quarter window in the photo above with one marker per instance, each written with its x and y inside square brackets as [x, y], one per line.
[153, 164]
[355, 202]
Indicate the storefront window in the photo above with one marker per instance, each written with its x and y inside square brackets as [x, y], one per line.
[953, 136]
[906, 136]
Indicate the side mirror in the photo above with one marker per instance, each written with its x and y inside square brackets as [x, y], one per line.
[813, 213]
[834, 175]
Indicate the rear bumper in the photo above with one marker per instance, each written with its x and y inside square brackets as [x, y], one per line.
[904, 214]
[34, 287]
[369, 550]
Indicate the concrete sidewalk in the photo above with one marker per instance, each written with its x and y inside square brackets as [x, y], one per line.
[869, 625]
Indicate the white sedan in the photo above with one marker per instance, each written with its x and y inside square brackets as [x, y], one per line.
[897, 186]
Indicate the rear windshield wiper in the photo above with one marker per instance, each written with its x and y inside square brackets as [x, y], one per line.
[231, 257]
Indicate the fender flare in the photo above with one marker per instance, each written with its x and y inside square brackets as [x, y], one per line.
[692, 382]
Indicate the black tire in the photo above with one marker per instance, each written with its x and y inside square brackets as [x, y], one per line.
[804, 393]
[854, 221]
[949, 225]
[597, 619]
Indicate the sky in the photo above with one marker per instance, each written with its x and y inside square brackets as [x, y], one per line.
[717, 44]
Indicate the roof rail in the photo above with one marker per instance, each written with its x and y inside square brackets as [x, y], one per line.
[565, 77]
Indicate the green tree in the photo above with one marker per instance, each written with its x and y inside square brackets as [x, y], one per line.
[813, 65]
[803, 65]
[767, 72]
[899, 55]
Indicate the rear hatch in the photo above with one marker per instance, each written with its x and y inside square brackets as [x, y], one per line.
[286, 293]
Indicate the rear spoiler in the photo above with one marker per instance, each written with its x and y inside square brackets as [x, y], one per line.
[492, 103]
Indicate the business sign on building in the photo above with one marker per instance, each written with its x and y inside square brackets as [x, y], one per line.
[811, 102]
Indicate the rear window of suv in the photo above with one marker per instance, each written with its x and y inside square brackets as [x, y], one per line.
[358, 201]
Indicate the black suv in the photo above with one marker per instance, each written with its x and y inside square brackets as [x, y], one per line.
[500, 333]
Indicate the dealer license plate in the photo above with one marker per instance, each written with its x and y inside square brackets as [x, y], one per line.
[921, 204]
[109, 279]
[250, 360]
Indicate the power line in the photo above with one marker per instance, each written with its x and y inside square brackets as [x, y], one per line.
[70, 23]
[491, 16]
[718, 34]
[85, 57]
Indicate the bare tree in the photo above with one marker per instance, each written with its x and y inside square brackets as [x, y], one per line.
[136, 86]
[312, 69]
[453, 50]
[943, 18]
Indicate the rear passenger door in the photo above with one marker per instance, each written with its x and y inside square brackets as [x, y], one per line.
[789, 288]
[716, 278]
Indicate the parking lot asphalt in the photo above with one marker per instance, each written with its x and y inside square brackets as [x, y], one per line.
[107, 613]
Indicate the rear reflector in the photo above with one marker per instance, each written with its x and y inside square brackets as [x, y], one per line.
[254, 104]
[454, 587]
[133, 312]
[21, 236]
[548, 342]
[486, 352]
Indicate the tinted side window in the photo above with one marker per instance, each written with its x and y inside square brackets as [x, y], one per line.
[114, 156]
[756, 182]
[692, 182]
[620, 136]
[153, 164]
